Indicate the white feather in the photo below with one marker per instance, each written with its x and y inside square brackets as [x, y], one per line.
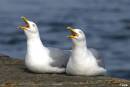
[41, 59]
[82, 61]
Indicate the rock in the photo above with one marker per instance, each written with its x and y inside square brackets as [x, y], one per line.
[13, 73]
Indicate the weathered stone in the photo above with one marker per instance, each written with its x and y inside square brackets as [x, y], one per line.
[13, 73]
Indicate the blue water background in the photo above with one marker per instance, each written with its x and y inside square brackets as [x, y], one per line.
[106, 24]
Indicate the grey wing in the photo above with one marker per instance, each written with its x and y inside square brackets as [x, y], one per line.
[99, 59]
[59, 57]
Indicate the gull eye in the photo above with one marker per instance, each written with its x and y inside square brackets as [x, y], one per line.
[33, 25]
[80, 32]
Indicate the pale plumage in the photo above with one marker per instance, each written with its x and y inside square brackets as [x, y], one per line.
[41, 59]
[82, 61]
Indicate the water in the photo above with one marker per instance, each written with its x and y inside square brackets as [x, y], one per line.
[105, 22]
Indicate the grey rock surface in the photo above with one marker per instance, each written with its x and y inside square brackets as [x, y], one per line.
[13, 73]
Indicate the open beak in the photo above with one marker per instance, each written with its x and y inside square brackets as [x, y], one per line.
[26, 26]
[73, 33]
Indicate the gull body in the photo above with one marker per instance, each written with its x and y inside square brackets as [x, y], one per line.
[82, 61]
[41, 59]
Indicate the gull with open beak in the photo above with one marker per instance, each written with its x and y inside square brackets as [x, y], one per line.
[82, 61]
[41, 59]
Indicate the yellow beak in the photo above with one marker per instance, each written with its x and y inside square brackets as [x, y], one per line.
[24, 19]
[26, 22]
[73, 33]
[22, 27]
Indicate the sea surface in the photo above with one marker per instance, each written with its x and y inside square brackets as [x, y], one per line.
[106, 24]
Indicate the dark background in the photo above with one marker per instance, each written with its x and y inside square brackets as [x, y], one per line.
[106, 24]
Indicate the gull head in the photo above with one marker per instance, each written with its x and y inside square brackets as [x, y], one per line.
[77, 35]
[30, 28]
